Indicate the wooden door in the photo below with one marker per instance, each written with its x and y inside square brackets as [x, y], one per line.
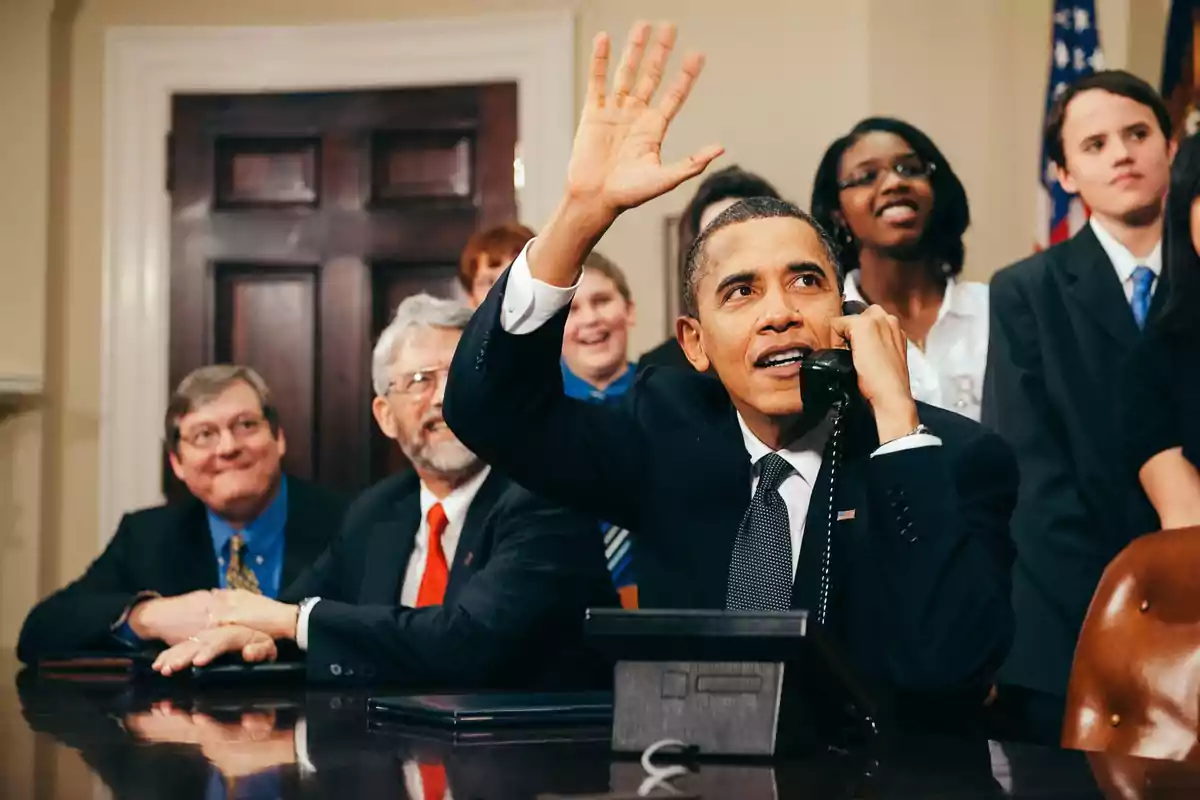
[299, 221]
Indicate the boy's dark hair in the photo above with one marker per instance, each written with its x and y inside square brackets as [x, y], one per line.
[1113, 81]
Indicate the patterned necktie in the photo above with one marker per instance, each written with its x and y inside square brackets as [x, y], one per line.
[238, 575]
[760, 573]
[1143, 281]
[437, 573]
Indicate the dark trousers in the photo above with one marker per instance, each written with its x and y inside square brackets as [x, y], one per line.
[1020, 714]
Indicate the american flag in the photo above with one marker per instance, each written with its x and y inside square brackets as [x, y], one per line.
[1074, 53]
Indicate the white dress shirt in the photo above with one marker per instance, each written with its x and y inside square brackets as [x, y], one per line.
[1125, 262]
[413, 783]
[529, 303]
[455, 505]
[948, 373]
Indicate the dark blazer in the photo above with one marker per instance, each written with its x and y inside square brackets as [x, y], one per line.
[920, 596]
[667, 354]
[523, 574]
[1060, 330]
[166, 549]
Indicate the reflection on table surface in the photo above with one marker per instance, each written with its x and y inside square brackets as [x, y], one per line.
[119, 740]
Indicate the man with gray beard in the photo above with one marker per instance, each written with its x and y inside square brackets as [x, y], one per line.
[448, 576]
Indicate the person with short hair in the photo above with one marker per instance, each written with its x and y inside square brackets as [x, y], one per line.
[898, 213]
[716, 193]
[596, 369]
[1063, 321]
[247, 526]
[447, 576]
[487, 254]
[886, 520]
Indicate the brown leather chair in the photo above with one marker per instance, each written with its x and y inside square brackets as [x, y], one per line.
[1135, 681]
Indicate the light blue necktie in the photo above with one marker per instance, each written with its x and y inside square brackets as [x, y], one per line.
[1143, 280]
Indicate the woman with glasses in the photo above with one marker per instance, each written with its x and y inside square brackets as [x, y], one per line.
[898, 212]
[1160, 390]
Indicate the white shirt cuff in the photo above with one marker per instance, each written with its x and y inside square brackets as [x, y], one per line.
[300, 738]
[529, 303]
[907, 443]
[302, 623]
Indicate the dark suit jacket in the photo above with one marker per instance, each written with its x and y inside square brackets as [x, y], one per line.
[167, 549]
[921, 593]
[1060, 330]
[523, 574]
[667, 354]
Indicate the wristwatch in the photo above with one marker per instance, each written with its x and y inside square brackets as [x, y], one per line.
[921, 428]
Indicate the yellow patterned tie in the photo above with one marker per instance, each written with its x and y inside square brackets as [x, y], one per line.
[237, 574]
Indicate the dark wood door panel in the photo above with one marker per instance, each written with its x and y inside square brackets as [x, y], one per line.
[301, 220]
[267, 319]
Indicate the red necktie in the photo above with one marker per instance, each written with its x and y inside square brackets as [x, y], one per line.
[433, 582]
[433, 776]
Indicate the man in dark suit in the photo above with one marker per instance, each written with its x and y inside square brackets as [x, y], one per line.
[725, 478]
[1062, 322]
[450, 576]
[247, 525]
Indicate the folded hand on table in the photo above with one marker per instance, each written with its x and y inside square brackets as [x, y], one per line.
[201, 649]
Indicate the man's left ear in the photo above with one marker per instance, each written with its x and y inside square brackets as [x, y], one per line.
[1172, 149]
[281, 441]
[632, 313]
[687, 331]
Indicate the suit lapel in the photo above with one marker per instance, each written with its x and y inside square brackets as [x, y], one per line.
[849, 513]
[388, 550]
[720, 477]
[298, 553]
[468, 556]
[197, 569]
[1092, 284]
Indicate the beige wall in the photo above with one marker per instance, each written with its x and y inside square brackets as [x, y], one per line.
[24, 165]
[784, 77]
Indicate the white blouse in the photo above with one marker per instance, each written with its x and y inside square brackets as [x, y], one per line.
[948, 373]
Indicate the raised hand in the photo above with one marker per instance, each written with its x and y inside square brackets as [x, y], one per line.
[616, 161]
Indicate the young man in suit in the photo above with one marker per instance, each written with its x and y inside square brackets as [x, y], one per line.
[724, 478]
[448, 576]
[1062, 322]
[249, 526]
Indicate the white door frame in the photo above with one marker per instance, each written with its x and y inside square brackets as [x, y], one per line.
[145, 66]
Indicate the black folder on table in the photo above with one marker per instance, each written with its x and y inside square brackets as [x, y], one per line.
[495, 710]
[101, 666]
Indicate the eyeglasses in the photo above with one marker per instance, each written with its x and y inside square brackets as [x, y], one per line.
[419, 383]
[207, 437]
[906, 167]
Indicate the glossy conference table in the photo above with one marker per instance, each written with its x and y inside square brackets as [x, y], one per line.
[117, 740]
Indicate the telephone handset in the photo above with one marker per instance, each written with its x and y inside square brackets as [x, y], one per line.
[828, 380]
[827, 377]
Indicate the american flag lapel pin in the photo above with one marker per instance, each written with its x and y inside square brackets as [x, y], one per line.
[843, 516]
[468, 558]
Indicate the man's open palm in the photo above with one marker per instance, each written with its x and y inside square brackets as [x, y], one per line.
[616, 161]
